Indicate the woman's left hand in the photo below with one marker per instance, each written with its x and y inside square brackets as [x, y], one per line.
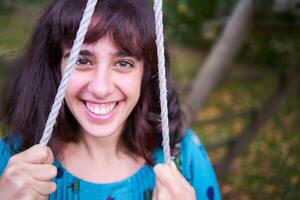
[170, 184]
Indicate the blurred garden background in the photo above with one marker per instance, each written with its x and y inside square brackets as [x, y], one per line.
[236, 64]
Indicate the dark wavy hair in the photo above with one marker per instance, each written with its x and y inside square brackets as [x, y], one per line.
[32, 88]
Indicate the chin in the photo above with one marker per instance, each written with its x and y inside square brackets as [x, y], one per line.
[102, 131]
[100, 134]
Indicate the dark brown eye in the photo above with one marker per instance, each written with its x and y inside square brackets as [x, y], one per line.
[125, 64]
[82, 61]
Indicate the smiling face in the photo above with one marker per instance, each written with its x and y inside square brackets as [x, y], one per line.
[104, 87]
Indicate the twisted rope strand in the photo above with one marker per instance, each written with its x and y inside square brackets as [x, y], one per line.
[162, 79]
[83, 27]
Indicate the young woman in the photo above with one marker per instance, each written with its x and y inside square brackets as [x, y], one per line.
[106, 143]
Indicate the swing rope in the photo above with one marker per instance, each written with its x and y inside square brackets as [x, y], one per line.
[162, 79]
[83, 27]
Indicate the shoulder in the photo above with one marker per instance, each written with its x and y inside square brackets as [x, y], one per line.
[8, 147]
[5, 154]
[197, 168]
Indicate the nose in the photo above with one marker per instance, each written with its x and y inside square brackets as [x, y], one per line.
[101, 85]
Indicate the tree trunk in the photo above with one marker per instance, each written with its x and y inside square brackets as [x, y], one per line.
[220, 58]
[245, 138]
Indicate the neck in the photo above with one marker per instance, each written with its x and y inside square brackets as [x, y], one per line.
[95, 149]
[102, 148]
[100, 160]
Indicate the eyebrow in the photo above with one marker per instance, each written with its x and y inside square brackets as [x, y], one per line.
[114, 54]
[124, 53]
[82, 53]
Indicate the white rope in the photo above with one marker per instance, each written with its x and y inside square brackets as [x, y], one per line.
[162, 79]
[83, 27]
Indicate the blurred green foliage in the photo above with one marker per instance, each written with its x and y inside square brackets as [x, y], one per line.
[184, 18]
[276, 49]
[270, 168]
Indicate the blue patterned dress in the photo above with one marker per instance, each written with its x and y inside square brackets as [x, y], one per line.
[190, 157]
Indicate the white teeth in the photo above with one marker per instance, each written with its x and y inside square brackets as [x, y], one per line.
[100, 109]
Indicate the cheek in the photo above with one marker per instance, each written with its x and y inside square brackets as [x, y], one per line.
[76, 84]
[131, 85]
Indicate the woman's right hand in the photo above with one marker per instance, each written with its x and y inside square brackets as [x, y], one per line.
[28, 175]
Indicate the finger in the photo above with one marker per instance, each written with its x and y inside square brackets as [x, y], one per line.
[155, 191]
[41, 172]
[38, 154]
[154, 197]
[33, 195]
[173, 181]
[180, 177]
[157, 188]
[158, 184]
[23, 185]
[164, 194]
[44, 188]
[37, 196]
[169, 184]
[166, 176]
[160, 192]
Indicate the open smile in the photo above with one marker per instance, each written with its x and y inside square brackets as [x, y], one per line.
[101, 109]
[100, 112]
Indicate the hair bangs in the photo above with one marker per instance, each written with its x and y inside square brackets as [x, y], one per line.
[66, 17]
[127, 26]
[123, 32]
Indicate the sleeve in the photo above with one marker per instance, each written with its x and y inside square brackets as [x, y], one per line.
[4, 154]
[197, 169]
